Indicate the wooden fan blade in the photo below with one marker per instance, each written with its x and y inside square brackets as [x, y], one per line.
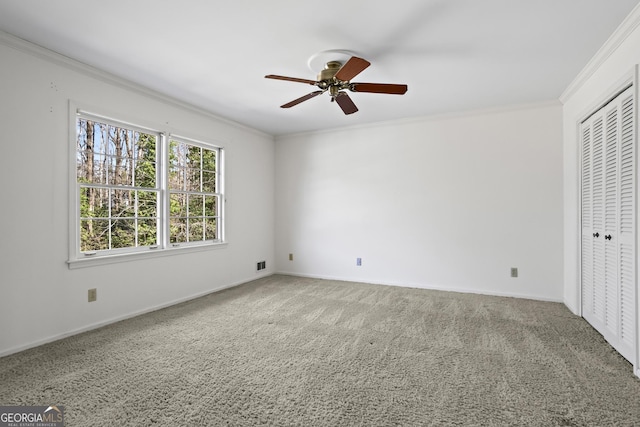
[290, 79]
[345, 102]
[379, 88]
[351, 68]
[302, 99]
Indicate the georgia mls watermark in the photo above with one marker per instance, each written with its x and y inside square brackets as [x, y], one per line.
[31, 416]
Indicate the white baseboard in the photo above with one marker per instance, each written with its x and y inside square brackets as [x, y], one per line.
[97, 325]
[424, 286]
[258, 276]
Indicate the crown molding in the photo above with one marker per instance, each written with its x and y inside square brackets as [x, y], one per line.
[624, 30]
[554, 103]
[33, 49]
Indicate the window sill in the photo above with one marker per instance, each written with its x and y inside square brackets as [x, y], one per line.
[157, 253]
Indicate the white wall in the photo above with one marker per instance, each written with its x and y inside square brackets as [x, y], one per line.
[616, 60]
[450, 203]
[41, 298]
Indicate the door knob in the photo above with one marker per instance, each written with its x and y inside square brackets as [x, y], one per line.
[608, 237]
[596, 234]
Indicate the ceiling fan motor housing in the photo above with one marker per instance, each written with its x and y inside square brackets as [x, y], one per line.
[329, 71]
[327, 79]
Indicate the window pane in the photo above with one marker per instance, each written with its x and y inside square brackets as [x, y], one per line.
[211, 231]
[181, 153]
[122, 203]
[90, 167]
[147, 204]
[193, 180]
[178, 230]
[176, 178]
[97, 169]
[120, 142]
[195, 230]
[84, 131]
[147, 232]
[101, 203]
[89, 152]
[111, 137]
[94, 202]
[195, 205]
[208, 181]
[123, 233]
[120, 172]
[146, 147]
[178, 205]
[193, 156]
[210, 205]
[145, 174]
[86, 194]
[208, 160]
[94, 235]
[100, 138]
[81, 165]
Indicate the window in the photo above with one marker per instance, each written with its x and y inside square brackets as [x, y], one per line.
[118, 191]
[193, 195]
[137, 190]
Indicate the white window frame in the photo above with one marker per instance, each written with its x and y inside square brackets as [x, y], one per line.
[219, 193]
[78, 258]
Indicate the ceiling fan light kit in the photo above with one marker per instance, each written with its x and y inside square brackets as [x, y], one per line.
[336, 78]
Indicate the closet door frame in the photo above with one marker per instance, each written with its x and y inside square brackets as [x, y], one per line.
[630, 79]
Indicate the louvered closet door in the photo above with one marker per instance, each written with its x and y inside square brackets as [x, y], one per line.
[627, 224]
[587, 224]
[608, 222]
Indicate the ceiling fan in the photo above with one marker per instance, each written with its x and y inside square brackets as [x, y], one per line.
[336, 78]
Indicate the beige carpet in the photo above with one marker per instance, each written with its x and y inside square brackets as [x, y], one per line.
[288, 351]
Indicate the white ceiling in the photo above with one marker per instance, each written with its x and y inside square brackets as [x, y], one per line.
[455, 55]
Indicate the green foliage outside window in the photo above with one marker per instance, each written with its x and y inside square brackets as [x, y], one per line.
[192, 184]
[117, 173]
[116, 170]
